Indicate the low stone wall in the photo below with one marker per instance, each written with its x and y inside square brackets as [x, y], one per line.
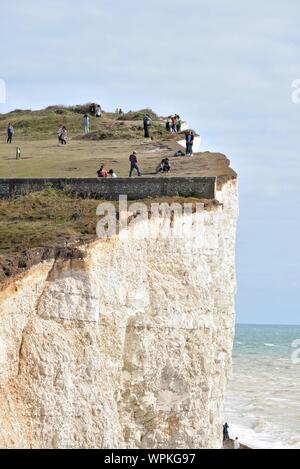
[110, 189]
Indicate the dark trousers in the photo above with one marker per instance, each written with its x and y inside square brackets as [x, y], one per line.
[9, 138]
[189, 148]
[146, 129]
[136, 167]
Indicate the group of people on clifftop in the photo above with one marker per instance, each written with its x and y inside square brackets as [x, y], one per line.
[103, 173]
[174, 124]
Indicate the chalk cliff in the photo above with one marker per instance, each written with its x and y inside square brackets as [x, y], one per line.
[128, 347]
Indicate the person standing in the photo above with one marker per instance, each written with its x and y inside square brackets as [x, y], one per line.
[178, 124]
[134, 164]
[59, 134]
[86, 124]
[236, 443]
[64, 136]
[93, 109]
[10, 133]
[147, 124]
[168, 125]
[174, 124]
[226, 432]
[98, 112]
[189, 143]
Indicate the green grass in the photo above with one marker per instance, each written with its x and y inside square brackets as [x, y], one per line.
[110, 142]
[44, 218]
[52, 217]
[44, 124]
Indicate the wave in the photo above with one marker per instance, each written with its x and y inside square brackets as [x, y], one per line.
[261, 440]
[270, 345]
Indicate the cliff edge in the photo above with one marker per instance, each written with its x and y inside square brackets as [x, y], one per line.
[126, 344]
[128, 347]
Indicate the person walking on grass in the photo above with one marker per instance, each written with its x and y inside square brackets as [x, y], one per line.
[134, 164]
[189, 143]
[64, 136]
[10, 133]
[86, 124]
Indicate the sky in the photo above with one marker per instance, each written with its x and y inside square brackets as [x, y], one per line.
[227, 67]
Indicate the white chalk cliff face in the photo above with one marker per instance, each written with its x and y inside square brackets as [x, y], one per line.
[129, 347]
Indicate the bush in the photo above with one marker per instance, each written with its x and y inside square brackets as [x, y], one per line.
[139, 115]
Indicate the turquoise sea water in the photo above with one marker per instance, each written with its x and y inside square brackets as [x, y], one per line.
[263, 398]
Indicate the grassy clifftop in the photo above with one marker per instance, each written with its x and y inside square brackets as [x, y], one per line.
[51, 223]
[111, 140]
[43, 124]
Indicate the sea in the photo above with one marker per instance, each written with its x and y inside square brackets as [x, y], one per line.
[263, 399]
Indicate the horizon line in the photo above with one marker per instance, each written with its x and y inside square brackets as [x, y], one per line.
[264, 324]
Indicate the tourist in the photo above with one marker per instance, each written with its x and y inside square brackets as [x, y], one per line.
[174, 124]
[59, 133]
[236, 443]
[10, 133]
[160, 166]
[166, 166]
[86, 124]
[134, 164]
[178, 124]
[168, 125]
[93, 109]
[189, 143]
[64, 136]
[147, 124]
[226, 432]
[98, 112]
[102, 173]
[112, 173]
